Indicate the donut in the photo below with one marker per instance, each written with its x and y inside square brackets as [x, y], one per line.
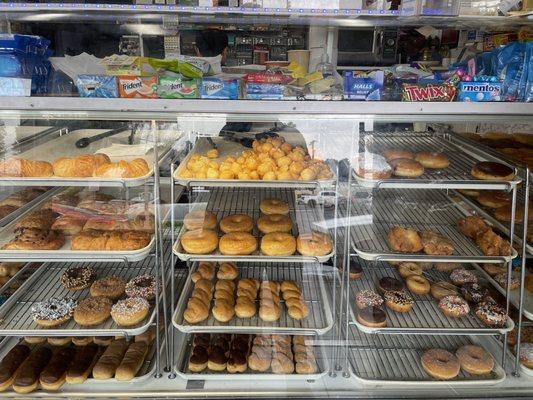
[278, 244]
[526, 354]
[440, 364]
[475, 359]
[143, 286]
[372, 316]
[236, 223]
[406, 168]
[389, 284]
[368, 298]
[454, 306]
[59, 340]
[432, 160]
[237, 243]
[78, 278]
[491, 314]
[269, 223]
[490, 170]
[406, 269]
[274, 206]
[442, 289]
[53, 312]
[494, 269]
[417, 284]
[405, 240]
[504, 214]
[130, 311]
[460, 276]
[92, 311]
[493, 198]
[199, 241]
[393, 154]
[314, 244]
[200, 219]
[473, 292]
[398, 301]
[372, 166]
[355, 271]
[446, 267]
[469, 192]
[111, 287]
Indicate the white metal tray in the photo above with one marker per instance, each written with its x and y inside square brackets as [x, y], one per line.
[425, 317]
[183, 371]
[456, 176]
[385, 360]
[525, 370]
[308, 277]
[373, 215]
[227, 201]
[228, 148]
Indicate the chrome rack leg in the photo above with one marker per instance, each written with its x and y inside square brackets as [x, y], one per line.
[334, 351]
[172, 264]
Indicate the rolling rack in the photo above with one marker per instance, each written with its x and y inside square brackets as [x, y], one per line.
[424, 202]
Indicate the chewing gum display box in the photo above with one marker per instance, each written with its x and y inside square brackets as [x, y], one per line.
[264, 91]
[362, 85]
[138, 87]
[177, 87]
[219, 88]
[480, 91]
[101, 86]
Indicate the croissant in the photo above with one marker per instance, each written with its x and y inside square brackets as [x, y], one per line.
[223, 310]
[297, 309]
[225, 285]
[79, 167]
[245, 308]
[123, 169]
[227, 270]
[20, 167]
[196, 312]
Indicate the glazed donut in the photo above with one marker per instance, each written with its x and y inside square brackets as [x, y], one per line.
[405, 240]
[143, 286]
[432, 160]
[389, 284]
[236, 223]
[417, 284]
[314, 244]
[269, 223]
[398, 301]
[504, 214]
[237, 243]
[475, 360]
[130, 311]
[407, 269]
[92, 311]
[406, 168]
[526, 354]
[368, 298]
[78, 278]
[493, 198]
[53, 312]
[278, 244]
[274, 206]
[442, 289]
[199, 241]
[440, 364]
[111, 287]
[200, 219]
[460, 276]
[473, 292]
[372, 166]
[491, 314]
[490, 170]
[454, 306]
[393, 154]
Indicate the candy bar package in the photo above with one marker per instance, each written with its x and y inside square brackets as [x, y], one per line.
[177, 87]
[139, 87]
[219, 88]
[363, 85]
[479, 91]
[428, 92]
[97, 86]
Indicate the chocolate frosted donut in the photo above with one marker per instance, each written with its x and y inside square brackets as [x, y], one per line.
[78, 278]
[489, 170]
[141, 286]
[372, 316]
[473, 292]
[389, 284]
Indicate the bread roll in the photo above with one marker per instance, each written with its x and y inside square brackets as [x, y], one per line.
[107, 365]
[132, 361]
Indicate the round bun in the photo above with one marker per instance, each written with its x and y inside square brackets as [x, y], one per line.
[199, 241]
[493, 198]
[200, 219]
[490, 170]
[406, 168]
[274, 206]
[440, 364]
[274, 223]
[130, 311]
[314, 244]
[111, 287]
[372, 166]
[278, 244]
[237, 243]
[92, 311]
[432, 160]
[236, 223]
[393, 154]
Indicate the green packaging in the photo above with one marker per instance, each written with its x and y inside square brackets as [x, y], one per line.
[177, 87]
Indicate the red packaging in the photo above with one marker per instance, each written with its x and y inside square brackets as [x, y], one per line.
[428, 92]
[262, 77]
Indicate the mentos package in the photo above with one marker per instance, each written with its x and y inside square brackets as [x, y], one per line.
[363, 85]
[177, 87]
[219, 88]
[479, 91]
[97, 86]
[139, 87]
[264, 91]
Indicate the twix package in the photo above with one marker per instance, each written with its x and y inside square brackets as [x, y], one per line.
[428, 92]
[140, 87]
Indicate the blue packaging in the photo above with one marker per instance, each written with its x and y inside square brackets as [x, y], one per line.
[15, 86]
[528, 91]
[97, 86]
[264, 91]
[362, 86]
[219, 88]
[480, 91]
